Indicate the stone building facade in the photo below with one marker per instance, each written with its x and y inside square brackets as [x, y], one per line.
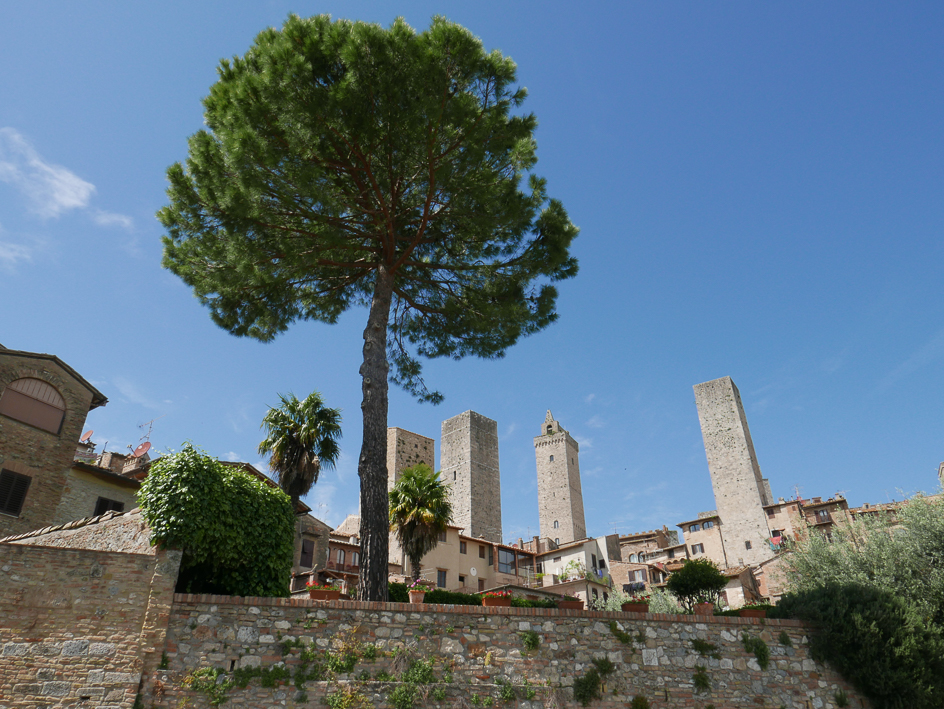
[560, 499]
[469, 464]
[43, 407]
[741, 493]
[406, 449]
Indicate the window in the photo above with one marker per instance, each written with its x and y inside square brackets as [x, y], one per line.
[639, 575]
[441, 578]
[442, 536]
[355, 558]
[455, 475]
[552, 459]
[602, 564]
[595, 594]
[698, 548]
[633, 559]
[13, 487]
[462, 548]
[556, 524]
[557, 541]
[593, 561]
[747, 545]
[481, 584]
[491, 556]
[771, 512]
[506, 561]
[481, 552]
[556, 559]
[671, 553]
[461, 580]
[707, 525]
[104, 505]
[34, 402]
[340, 556]
[307, 559]
[822, 516]
[694, 528]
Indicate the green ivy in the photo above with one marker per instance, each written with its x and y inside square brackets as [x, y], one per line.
[759, 648]
[531, 640]
[701, 680]
[235, 531]
[705, 648]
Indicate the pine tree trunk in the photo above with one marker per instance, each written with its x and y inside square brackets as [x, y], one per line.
[372, 465]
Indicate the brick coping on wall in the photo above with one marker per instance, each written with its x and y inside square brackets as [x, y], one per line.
[180, 598]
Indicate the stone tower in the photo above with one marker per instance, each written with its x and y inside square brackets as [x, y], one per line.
[740, 491]
[469, 464]
[406, 449]
[560, 500]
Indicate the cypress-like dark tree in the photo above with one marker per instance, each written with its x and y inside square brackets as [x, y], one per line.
[347, 164]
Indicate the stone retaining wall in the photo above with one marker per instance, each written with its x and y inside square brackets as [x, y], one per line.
[77, 626]
[479, 650]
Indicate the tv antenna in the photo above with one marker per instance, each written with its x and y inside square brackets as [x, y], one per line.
[86, 436]
[142, 449]
[150, 424]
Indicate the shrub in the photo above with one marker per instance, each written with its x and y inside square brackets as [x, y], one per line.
[878, 641]
[236, 532]
[397, 593]
[441, 595]
[698, 581]
[517, 602]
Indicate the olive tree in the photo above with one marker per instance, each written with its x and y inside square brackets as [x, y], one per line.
[344, 164]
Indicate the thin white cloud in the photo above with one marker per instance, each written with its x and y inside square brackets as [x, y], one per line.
[50, 189]
[584, 442]
[111, 219]
[321, 499]
[232, 457]
[12, 254]
[589, 397]
[511, 429]
[596, 422]
[923, 356]
[130, 391]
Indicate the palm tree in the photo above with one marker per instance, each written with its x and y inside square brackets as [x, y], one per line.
[301, 438]
[419, 512]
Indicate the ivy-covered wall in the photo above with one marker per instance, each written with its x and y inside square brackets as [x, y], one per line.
[292, 653]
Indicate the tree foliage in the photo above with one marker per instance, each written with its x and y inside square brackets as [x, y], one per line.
[345, 164]
[235, 531]
[698, 581]
[419, 511]
[876, 592]
[301, 439]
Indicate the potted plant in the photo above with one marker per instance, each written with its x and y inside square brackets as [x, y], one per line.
[497, 598]
[327, 591]
[753, 609]
[418, 590]
[697, 585]
[570, 603]
[637, 603]
[704, 608]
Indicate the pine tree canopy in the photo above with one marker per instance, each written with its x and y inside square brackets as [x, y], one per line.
[346, 164]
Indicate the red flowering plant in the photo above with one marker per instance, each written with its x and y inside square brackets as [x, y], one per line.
[330, 585]
[497, 594]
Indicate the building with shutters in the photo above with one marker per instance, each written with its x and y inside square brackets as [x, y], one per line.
[43, 407]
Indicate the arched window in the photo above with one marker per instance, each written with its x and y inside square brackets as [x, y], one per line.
[34, 402]
[556, 524]
[633, 558]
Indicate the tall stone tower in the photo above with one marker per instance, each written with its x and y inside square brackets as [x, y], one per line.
[560, 500]
[406, 449]
[740, 491]
[469, 464]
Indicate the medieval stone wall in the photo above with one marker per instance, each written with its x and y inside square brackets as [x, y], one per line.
[479, 649]
[78, 627]
[469, 463]
[406, 449]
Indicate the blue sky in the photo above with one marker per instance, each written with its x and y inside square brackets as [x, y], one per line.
[759, 192]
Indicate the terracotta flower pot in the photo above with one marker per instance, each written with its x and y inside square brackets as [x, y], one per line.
[417, 596]
[704, 609]
[636, 607]
[752, 612]
[570, 605]
[497, 602]
[324, 594]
